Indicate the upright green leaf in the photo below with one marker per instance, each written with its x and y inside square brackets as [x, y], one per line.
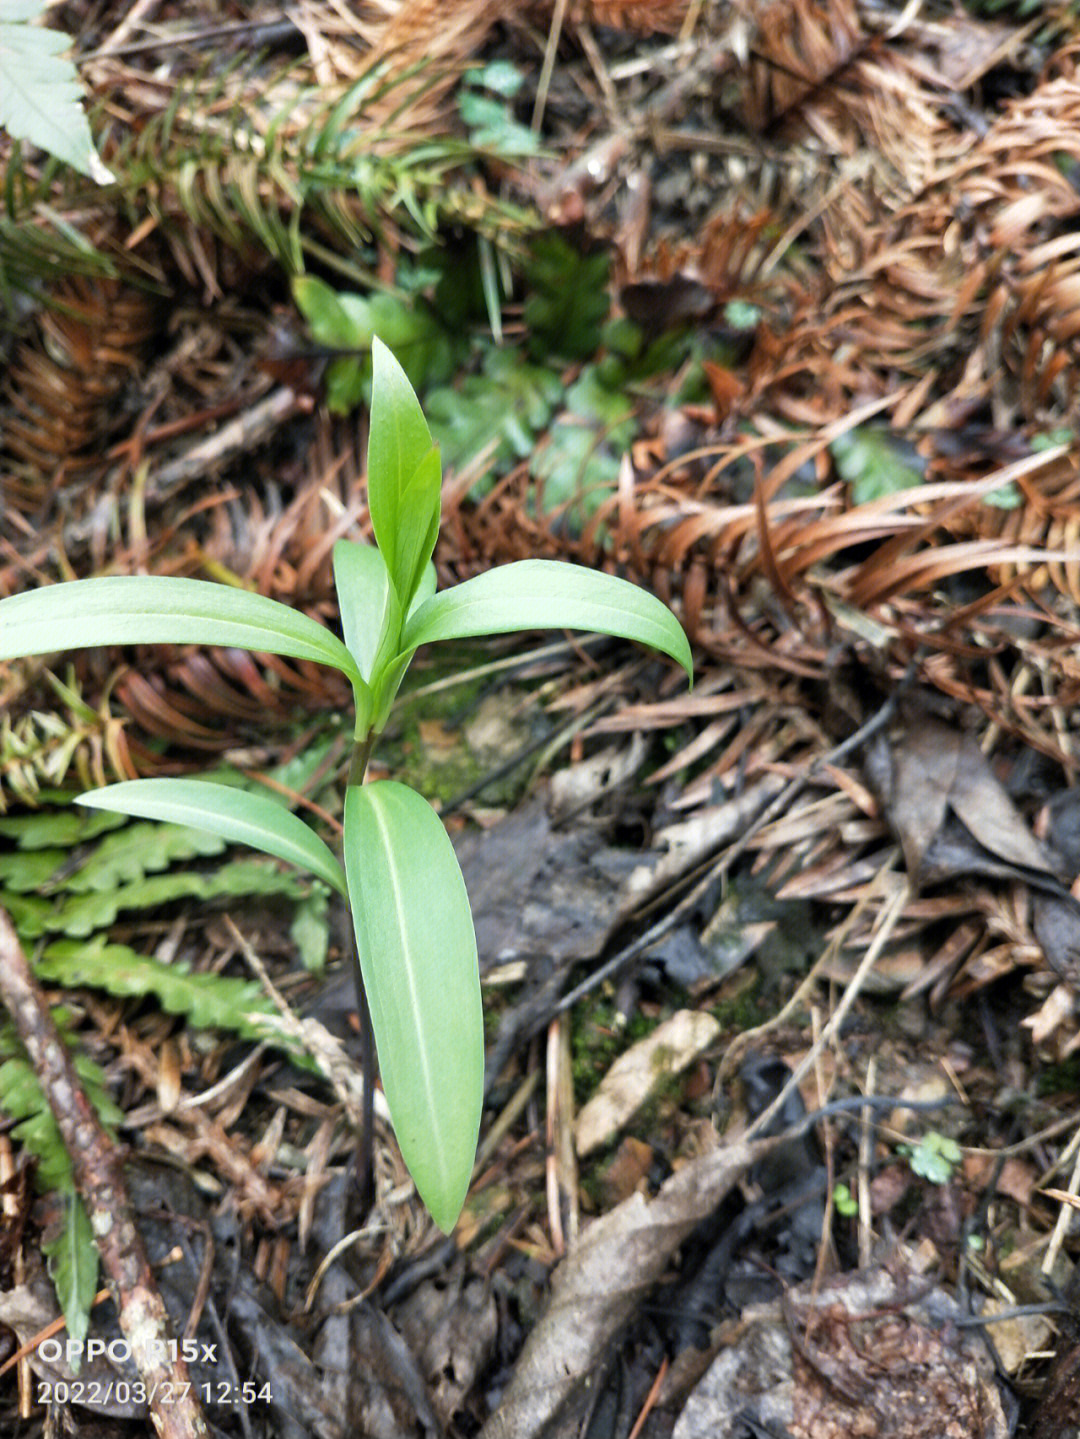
[403, 484]
[233, 814]
[370, 613]
[417, 950]
[547, 594]
[150, 609]
[418, 528]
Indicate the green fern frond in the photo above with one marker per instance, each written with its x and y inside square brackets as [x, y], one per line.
[72, 1257]
[206, 1001]
[291, 161]
[23, 1100]
[37, 249]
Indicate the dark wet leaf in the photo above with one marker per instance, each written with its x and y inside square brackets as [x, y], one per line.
[952, 816]
[663, 304]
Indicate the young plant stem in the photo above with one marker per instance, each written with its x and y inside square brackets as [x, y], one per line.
[359, 762]
[365, 1151]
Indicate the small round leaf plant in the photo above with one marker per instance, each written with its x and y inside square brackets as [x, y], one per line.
[400, 878]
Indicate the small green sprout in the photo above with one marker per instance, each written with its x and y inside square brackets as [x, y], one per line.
[400, 878]
[934, 1157]
[843, 1202]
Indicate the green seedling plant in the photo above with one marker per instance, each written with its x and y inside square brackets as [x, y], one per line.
[934, 1157]
[398, 873]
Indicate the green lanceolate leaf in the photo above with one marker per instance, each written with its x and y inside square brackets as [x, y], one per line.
[547, 594]
[417, 950]
[232, 814]
[370, 613]
[149, 609]
[404, 484]
[416, 538]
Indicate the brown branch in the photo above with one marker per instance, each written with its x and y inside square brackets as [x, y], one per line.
[98, 1170]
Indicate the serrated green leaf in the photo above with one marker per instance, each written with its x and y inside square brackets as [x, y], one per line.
[568, 302]
[417, 951]
[576, 471]
[26, 872]
[207, 1001]
[398, 457]
[504, 408]
[151, 609]
[82, 914]
[40, 93]
[65, 829]
[234, 815]
[501, 77]
[127, 854]
[29, 914]
[73, 1267]
[547, 594]
[310, 931]
[493, 127]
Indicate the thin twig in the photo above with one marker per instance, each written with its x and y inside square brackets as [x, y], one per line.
[889, 920]
[98, 1171]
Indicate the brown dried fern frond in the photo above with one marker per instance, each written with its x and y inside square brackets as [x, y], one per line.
[797, 47]
[425, 45]
[980, 274]
[64, 385]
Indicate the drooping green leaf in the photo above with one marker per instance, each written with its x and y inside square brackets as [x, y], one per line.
[547, 594]
[40, 93]
[235, 815]
[417, 950]
[73, 1266]
[151, 609]
[398, 456]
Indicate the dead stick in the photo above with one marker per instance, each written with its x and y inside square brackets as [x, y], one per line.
[98, 1170]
